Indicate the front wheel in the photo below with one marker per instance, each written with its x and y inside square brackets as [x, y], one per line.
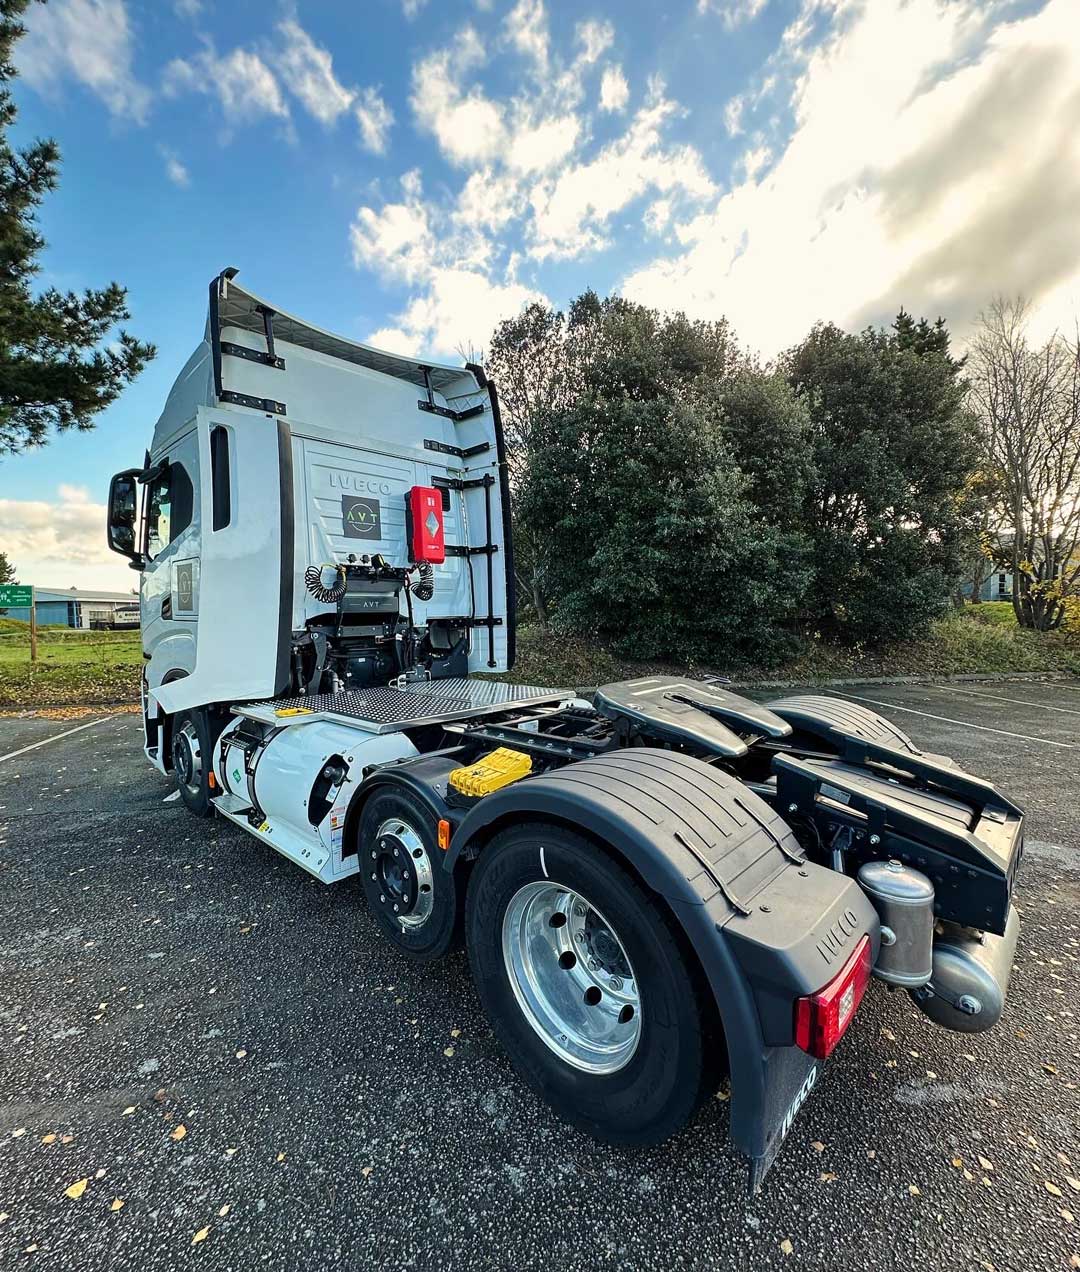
[586, 985]
[191, 758]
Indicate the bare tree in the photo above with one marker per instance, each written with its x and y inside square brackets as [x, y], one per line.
[1027, 398]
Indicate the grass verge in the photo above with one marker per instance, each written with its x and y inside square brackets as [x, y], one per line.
[103, 668]
[73, 667]
[967, 643]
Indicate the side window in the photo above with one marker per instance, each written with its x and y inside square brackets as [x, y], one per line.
[170, 501]
[219, 477]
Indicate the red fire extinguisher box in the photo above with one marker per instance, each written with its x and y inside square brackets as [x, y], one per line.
[424, 524]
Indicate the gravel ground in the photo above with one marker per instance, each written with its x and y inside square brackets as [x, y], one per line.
[202, 1033]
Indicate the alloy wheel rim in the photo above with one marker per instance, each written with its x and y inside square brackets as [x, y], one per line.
[571, 976]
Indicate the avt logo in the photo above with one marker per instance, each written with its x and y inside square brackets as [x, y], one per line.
[361, 518]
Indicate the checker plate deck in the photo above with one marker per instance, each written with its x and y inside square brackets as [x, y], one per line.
[385, 710]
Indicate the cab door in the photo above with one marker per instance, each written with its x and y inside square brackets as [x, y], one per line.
[169, 597]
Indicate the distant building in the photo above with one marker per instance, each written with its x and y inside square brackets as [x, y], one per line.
[79, 607]
[997, 582]
[996, 586]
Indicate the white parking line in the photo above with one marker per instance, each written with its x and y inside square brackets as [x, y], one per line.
[55, 738]
[966, 724]
[1019, 702]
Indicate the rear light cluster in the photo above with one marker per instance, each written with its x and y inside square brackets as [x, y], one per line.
[822, 1018]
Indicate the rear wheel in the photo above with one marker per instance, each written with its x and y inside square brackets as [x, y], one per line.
[586, 985]
[413, 899]
[191, 758]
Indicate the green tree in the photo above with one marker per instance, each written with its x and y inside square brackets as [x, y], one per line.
[893, 451]
[648, 533]
[56, 371]
[7, 569]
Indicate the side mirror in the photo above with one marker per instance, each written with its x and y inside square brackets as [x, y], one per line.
[124, 516]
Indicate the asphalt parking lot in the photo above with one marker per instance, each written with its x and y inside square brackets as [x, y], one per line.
[204, 1034]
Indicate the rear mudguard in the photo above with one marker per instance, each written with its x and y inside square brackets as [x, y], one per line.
[767, 926]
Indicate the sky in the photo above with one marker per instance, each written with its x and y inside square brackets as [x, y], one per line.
[409, 172]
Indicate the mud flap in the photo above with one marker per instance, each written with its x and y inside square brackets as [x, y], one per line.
[790, 1076]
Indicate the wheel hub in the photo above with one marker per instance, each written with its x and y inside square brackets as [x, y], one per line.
[187, 757]
[400, 870]
[571, 977]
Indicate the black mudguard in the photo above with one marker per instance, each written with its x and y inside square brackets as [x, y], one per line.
[767, 926]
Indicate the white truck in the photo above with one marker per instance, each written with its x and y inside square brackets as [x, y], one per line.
[656, 886]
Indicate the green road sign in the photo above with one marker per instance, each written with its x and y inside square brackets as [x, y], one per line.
[15, 594]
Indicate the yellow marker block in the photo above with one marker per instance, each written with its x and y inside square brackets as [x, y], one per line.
[500, 768]
[292, 711]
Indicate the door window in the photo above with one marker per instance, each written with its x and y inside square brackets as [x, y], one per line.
[169, 507]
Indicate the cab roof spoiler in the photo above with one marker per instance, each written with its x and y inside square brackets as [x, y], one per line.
[234, 306]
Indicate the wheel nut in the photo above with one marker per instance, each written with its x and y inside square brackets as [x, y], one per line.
[594, 965]
[382, 900]
[395, 909]
[404, 874]
[579, 910]
[615, 983]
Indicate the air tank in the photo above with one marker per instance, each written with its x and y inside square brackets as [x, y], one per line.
[904, 900]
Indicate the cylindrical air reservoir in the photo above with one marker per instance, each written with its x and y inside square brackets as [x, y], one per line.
[904, 900]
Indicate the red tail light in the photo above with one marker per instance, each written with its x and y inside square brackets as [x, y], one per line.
[822, 1018]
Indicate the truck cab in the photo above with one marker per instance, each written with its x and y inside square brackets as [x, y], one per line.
[282, 467]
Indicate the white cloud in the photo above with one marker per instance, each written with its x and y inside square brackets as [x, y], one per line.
[90, 42]
[242, 82]
[733, 13]
[188, 8]
[657, 216]
[595, 39]
[614, 90]
[489, 200]
[753, 160]
[375, 119]
[958, 175]
[307, 71]
[524, 179]
[410, 8]
[397, 241]
[459, 310]
[537, 147]
[733, 113]
[527, 30]
[468, 126]
[61, 542]
[174, 168]
[252, 83]
[571, 212]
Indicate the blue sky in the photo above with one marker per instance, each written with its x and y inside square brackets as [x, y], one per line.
[409, 171]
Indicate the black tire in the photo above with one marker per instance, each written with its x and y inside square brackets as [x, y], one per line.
[427, 897]
[192, 746]
[672, 1069]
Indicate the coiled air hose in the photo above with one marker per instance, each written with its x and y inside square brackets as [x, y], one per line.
[424, 587]
[314, 584]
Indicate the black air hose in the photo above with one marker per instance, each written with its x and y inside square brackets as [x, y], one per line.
[424, 587]
[314, 584]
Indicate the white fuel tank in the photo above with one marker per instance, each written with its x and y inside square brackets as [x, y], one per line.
[303, 780]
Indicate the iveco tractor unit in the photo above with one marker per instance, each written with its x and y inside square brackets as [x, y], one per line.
[657, 886]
